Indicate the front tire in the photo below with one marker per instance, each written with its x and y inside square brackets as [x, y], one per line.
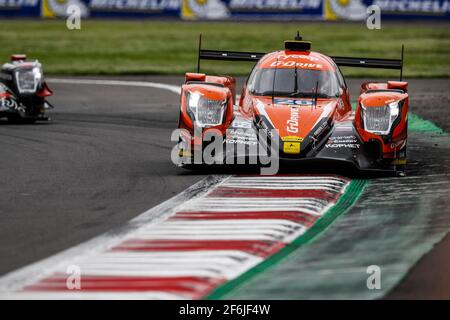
[20, 120]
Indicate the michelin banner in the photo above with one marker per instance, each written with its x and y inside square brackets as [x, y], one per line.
[230, 9]
[92, 8]
[391, 9]
[20, 8]
[313, 9]
[113, 8]
[252, 9]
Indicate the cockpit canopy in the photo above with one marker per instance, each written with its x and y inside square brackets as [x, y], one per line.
[294, 82]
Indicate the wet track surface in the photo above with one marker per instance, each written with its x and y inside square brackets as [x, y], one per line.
[106, 158]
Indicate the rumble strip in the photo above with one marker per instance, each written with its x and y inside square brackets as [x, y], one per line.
[188, 246]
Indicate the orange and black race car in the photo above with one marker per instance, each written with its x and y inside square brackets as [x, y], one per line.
[299, 98]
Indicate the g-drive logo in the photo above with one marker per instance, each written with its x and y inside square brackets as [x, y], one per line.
[292, 123]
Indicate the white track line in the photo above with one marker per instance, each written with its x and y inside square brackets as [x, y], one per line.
[145, 84]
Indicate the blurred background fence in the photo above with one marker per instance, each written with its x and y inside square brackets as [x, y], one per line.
[230, 9]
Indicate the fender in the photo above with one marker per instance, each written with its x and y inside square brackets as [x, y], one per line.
[377, 98]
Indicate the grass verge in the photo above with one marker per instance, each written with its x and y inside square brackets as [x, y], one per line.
[170, 47]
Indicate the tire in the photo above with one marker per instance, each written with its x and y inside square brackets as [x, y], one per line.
[401, 169]
[14, 119]
[19, 120]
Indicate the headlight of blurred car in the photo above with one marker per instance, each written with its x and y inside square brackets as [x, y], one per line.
[379, 120]
[206, 112]
[28, 79]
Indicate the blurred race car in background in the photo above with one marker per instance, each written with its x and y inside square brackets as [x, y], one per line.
[23, 91]
[302, 95]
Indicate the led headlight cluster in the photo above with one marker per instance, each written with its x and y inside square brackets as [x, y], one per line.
[28, 79]
[206, 112]
[379, 120]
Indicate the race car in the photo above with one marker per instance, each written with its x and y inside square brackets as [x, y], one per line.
[23, 91]
[299, 99]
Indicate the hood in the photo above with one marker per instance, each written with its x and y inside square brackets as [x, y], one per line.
[294, 117]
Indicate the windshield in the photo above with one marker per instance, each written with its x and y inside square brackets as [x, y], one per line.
[293, 82]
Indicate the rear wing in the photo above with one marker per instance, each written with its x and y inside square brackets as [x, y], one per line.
[203, 54]
[225, 55]
[396, 64]
[229, 55]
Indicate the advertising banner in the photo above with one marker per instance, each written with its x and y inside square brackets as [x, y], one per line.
[313, 9]
[392, 9]
[20, 8]
[113, 8]
[414, 9]
[252, 9]
[261, 10]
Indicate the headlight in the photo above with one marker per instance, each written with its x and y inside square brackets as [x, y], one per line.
[206, 112]
[28, 79]
[379, 120]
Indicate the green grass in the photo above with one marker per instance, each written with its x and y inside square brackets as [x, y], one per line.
[145, 47]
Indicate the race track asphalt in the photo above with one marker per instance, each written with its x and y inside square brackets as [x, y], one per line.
[106, 158]
[103, 160]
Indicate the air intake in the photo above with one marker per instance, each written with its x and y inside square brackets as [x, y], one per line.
[294, 45]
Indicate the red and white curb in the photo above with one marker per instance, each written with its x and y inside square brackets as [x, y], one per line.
[188, 246]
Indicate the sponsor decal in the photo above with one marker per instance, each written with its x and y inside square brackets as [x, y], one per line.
[297, 102]
[320, 129]
[241, 141]
[241, 136]
[292, 123]
[349, 142]
[291, 147]
[291, 64]
[292, 144]
[241, 123]
[297, 56]
[8, 103]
